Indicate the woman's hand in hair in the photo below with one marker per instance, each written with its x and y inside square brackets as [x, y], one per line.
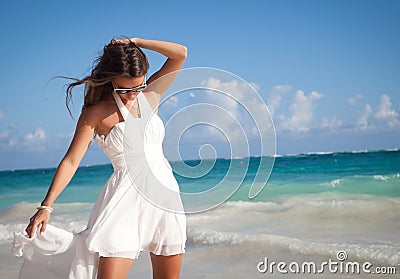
[125, 41]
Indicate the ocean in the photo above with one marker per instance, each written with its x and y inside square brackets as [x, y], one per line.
[314, 207]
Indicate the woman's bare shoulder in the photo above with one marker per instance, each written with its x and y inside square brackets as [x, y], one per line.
[95, 113]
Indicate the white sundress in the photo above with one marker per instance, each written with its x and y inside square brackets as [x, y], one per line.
[132, 213]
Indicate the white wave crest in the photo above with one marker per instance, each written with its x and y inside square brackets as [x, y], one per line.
[381, 253]
[333, 183]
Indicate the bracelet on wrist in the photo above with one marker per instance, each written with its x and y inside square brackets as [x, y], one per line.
[44, 207]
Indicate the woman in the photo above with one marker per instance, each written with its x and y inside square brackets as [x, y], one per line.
[123, 221]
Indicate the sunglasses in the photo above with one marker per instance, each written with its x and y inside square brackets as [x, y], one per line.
[135, 89]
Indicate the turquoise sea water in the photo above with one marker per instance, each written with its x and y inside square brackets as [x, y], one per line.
[313, 203]
[374, 173]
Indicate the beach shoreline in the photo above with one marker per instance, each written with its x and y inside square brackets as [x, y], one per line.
[216, 262]
[313, 207]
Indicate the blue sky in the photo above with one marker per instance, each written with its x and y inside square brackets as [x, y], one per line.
[328, 70]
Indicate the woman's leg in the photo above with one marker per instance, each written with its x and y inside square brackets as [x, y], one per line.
[166, 267]
[114, 268]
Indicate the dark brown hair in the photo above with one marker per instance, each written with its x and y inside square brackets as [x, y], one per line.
[119, 59]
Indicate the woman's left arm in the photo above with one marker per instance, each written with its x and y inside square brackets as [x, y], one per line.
[176, 56]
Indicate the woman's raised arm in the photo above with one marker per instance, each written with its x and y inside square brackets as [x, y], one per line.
[66, 169]
[176, 55]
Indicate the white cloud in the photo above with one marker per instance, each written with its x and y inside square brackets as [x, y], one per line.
[247, 102]
[292, 110]
[383, 116]
[233, 89]
[352, 100]
[275, 97]
[2, 116]
[384, 109]
[298, 114]
[7, 139]
[233, 107]
[363, 118]
[301, 112]
[171, 102]
[34, 141]
[332, 123]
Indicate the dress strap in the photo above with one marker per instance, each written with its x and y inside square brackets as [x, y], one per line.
[122, 108]
[145, 107]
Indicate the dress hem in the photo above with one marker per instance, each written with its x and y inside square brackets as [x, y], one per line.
[135, 254]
